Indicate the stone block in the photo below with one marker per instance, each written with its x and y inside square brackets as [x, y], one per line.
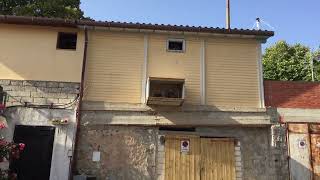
[5, 82]
[40, 84]
[26, 99]
[30, 88]
[69, 90]
[48, 90]
[53, 84]
[52, 100]
[65, 101]
[19, 93]
[69, 85]
[72, 96]
[14, 99]
[16, 83]
[13, 88]
[40, 101]
[38, 94]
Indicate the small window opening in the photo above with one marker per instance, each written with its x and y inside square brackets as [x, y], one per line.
[176, 45]
[166, 89]
[67, 40]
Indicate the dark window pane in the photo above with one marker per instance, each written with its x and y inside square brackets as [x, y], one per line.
[67, 40]
[176, 45]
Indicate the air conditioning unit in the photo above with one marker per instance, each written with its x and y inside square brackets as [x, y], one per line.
[165, 91]
[3, 99]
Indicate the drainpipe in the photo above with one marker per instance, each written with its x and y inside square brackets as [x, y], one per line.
[78, 113]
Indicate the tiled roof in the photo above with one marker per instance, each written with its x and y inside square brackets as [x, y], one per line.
[58, 22]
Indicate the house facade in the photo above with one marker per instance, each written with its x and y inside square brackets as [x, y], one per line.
[156, 101]
[39, 87]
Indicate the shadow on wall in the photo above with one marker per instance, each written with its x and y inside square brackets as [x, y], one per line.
[292, 94]
[298, 171]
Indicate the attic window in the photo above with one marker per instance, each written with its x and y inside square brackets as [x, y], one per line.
[67, 40]
[176, 45]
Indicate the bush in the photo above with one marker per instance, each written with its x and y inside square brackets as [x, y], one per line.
[9, 151]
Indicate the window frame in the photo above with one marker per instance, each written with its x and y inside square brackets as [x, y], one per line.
[177, 40]
[59, 41]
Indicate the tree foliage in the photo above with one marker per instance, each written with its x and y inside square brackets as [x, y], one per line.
[68, 9]
[290, 62]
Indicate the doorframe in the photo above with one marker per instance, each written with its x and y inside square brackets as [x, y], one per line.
[45, 127]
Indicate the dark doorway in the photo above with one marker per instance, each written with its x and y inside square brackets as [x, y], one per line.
[35, 161]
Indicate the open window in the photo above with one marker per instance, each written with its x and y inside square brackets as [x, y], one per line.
[165, 91]
[176, 45]
[67, 40]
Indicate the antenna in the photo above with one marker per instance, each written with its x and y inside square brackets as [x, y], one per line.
[258, 24]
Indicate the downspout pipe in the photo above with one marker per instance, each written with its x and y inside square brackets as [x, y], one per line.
[79, 107]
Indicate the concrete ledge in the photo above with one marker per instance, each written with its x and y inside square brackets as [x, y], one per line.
[299, 115]
[175, 118]
[104, 106]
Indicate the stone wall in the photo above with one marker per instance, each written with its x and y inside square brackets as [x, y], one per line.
[127, 152]
[39, 92]
[134, 152]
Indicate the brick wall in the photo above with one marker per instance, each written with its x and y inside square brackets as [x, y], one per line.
[292, 94]
[39, 92]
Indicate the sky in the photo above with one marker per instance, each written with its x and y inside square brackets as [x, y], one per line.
[295, 21]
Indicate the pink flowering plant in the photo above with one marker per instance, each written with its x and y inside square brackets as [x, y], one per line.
[8, 151]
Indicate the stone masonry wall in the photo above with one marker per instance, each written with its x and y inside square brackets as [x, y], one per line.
[127, 152]
[133, 152]
[39, 92]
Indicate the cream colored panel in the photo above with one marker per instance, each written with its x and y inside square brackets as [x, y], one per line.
[232, 73]
[114, 67]
[29, 53]
[164, 64]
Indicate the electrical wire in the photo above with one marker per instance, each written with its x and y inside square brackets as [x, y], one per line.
[49, 106]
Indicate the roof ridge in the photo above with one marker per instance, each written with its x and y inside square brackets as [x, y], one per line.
[47, 21]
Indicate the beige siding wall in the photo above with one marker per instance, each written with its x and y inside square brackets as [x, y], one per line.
[114, 68]
[116, 59]
[232, 73]
[29, 53]
[164, 64]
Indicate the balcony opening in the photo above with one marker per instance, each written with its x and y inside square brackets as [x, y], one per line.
[165, 91]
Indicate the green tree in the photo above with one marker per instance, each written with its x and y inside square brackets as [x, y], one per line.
[289, 62]
[68, 9]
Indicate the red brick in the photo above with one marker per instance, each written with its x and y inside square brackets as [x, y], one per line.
[292, 94]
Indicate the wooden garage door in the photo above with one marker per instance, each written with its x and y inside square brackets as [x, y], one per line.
[182, 165]
[217, 159]
[205, 158]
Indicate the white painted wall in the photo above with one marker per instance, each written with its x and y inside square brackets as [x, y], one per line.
[64, 134]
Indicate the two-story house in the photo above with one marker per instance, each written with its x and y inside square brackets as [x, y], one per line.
[157, 101]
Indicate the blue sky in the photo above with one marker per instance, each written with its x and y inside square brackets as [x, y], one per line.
[296, 21]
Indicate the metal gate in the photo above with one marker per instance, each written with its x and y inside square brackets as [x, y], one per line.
[195, 158]
[304, 151]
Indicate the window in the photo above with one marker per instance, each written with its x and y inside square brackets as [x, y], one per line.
[176, 45]
[67, 40]
[165, 91]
